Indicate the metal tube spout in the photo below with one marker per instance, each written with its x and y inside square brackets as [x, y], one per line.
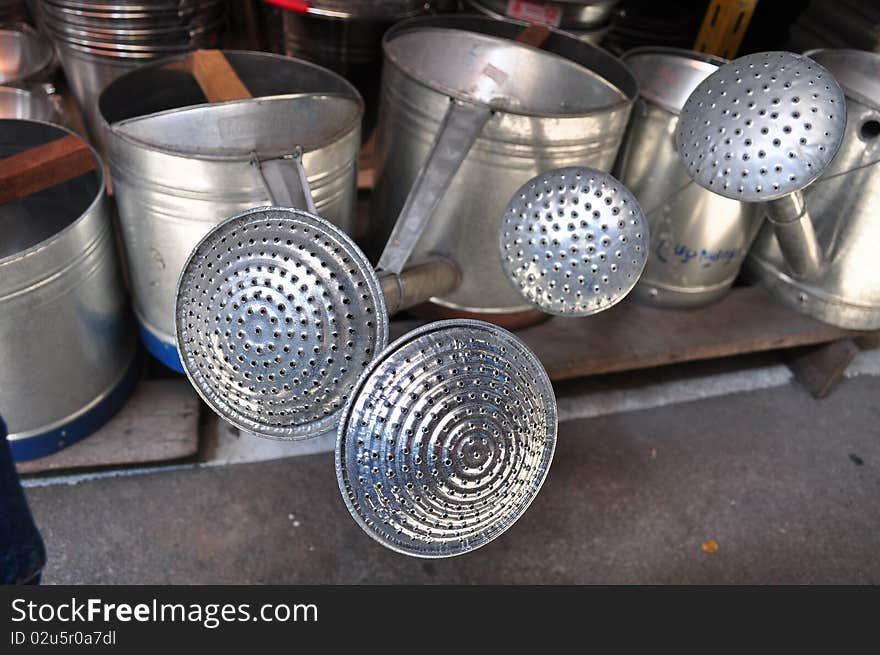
[419, 283]
[796, 236]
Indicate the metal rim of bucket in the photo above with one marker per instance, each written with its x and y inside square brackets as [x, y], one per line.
[30, 99]
[353, 9]
[346, 129]
[47, 55]
[624, 83]
[102, 182]
[165, 61]
[139, 35]
[601, 18]
[125, 7]
[84, 421]
[682, 53]
[129, 28]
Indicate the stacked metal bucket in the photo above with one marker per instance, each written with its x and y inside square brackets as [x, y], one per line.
[13, 12]
[99, 40]
[27, 74]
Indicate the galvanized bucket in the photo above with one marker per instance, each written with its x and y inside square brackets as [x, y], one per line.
[24, 104]
[699, 239]
[66, 339]
[588, 19]
[844, 205]
[98, 41]
[179, 166]
[570, 108]
[25, 57]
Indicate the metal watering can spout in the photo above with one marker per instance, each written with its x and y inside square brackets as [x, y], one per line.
[761, 129]
[796, 236]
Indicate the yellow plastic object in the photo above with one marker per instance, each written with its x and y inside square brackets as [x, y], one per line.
[724, 26]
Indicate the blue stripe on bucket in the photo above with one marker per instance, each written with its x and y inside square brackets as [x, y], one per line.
[50, 442]
[162, 350]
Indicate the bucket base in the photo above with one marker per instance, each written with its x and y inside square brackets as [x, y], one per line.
[664, 297]
[811, 300]
[511, 321]
[160, 348]
[81, 426]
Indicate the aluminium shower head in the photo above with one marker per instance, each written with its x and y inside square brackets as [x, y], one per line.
[278, 312]
[446, 439]
[762, 127]
[574, 241]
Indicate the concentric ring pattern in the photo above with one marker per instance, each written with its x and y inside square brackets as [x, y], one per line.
[447, 439]
[762, 126]
[574, 241]
[278, 313]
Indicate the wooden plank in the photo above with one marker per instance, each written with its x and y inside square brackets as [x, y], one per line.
[216, 77]
[43, 167]
[820, 368]
[724, 27]
[158, 423]
[630, 336]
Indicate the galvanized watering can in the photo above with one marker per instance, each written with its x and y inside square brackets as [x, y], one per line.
[774, 128]
[67, 343]
[844, 205]
[444, 437]
[699, 239]
[180, 166]
[27, 72]
[468, 116]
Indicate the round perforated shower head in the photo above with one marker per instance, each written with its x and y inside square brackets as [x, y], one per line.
[447, 439]
[762, 126]
[278, 313]
[574, 241]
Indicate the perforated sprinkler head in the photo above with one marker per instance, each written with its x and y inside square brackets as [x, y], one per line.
[278, 313]
[574, 241]
[762, 127]
[446, 439]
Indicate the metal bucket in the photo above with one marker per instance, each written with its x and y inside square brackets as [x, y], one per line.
[25, 57]
[28, 105]
[579, 122]
[844, 205]
[341, 35]
[97, 42]
[588, 20]
[699, 239]
[179, 167]
[66, 339]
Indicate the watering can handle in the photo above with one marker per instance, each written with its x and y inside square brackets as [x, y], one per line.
[459, 130]
[462, 124]
[220, 83]
[285, 191]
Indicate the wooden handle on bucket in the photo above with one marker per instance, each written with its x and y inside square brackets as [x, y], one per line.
[216, 77]
[44, 166]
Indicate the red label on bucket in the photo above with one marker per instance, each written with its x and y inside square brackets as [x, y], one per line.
[535, 12]
[299, 6]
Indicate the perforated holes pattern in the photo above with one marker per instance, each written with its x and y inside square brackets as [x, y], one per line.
[762, 126]
[447, 440]
[278, 313]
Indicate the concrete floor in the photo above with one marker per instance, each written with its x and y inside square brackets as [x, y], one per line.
[788, 486]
